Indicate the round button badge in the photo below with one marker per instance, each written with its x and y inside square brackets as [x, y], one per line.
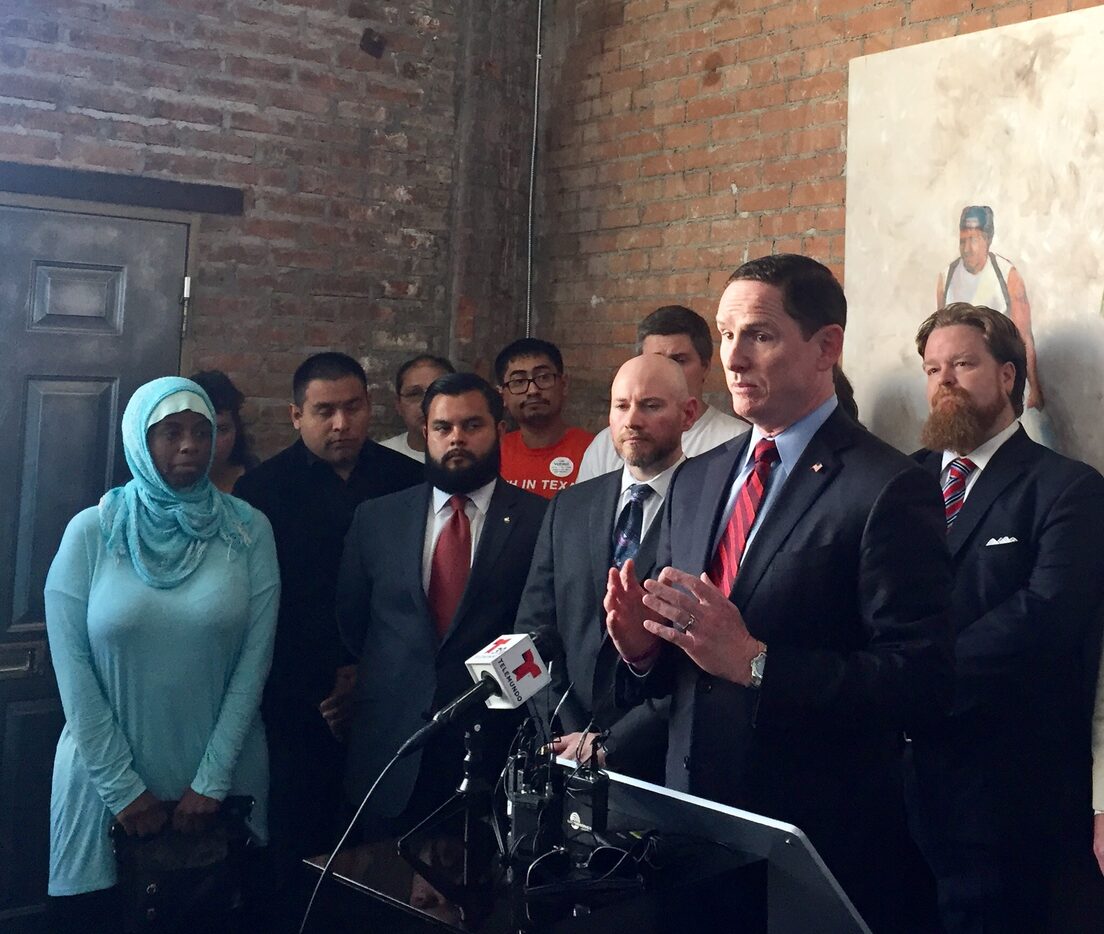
[561, 466]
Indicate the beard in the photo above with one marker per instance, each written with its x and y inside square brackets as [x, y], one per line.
[960, 426]
[461, 471]
[648, 455]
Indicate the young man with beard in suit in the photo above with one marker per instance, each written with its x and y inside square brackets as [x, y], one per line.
[430, 576]
[1001, 795]
[800, 617]
[588, 529]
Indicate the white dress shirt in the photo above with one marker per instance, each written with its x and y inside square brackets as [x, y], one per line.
[654, 503]
[981, 455]
[440, 511]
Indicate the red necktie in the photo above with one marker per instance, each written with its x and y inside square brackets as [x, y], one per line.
[954, 487]
[448, 575]
[726, 562]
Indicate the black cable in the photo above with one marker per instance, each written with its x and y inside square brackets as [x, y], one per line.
[326, 870]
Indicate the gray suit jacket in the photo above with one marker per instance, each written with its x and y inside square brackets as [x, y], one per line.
[564, 593]
[384, 618]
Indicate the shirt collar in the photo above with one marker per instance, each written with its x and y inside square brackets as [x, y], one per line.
[792, 441]
[659, 483]
[983, 453]
[481, 497]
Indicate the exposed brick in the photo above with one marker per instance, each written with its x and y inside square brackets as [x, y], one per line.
[920, 10]
[100, 155]
[879, 19]
[18, 146]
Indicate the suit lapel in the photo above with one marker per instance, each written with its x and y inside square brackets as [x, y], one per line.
[497, 527]
[409, 547]
[601, 517]
[718, 477]
[1005, 467]
[802, 488]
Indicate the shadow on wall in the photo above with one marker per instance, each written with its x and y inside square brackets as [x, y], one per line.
[1071, 422]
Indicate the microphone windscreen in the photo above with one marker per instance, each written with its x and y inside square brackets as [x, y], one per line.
[516, 667]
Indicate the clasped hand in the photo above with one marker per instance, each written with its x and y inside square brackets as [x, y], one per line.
[146, 815]
[687, 611]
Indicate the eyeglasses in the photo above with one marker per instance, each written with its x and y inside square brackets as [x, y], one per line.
[519, 385]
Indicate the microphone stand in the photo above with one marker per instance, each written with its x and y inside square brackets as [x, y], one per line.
[474, 793]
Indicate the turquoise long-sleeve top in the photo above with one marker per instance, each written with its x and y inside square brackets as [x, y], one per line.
[161, 688]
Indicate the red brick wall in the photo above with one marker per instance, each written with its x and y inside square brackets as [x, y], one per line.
[685, 136]
[353, 236]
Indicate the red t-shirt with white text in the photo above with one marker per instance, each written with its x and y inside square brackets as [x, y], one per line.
[544, 471]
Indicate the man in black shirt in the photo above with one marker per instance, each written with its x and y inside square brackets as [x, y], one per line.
[309, 492]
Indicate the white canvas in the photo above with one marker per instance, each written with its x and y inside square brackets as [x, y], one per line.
[1012, 118]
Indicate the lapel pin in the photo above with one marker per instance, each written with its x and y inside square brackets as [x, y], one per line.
[817, 468]
[506, 519]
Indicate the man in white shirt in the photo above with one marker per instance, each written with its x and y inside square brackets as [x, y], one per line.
[682, 335]
[411, 382]
[1000, 788]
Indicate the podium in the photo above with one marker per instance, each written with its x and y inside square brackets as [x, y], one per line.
[719, 866]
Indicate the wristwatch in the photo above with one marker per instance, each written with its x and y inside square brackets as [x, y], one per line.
[758, 666]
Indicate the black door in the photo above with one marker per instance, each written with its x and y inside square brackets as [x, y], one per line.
[89, 310]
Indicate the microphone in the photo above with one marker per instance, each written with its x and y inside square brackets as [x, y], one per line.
[514, 665]
[506, 673]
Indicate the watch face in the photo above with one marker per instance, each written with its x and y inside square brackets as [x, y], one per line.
[758, 664]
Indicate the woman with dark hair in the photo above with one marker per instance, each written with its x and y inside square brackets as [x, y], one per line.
[161, 612]
[232, 454]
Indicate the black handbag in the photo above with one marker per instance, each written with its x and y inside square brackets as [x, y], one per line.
[177, 883]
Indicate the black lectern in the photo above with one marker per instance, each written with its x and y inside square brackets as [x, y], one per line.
[694, 863]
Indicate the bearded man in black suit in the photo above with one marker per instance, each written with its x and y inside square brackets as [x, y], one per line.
[1001, 796]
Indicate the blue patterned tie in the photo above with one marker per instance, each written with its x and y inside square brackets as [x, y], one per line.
[630, 524]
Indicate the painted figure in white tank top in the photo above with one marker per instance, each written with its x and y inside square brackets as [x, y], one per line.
[982, 277]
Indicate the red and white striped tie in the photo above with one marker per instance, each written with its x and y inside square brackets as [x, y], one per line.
[730, 549]
[954, 488]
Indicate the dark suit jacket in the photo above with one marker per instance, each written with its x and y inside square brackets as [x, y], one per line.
[847, 581]
[384, 618]
[1012, 762]
[564, 593]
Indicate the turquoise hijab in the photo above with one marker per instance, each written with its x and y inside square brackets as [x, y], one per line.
[165, 532]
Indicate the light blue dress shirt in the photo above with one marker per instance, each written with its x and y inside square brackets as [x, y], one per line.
[791, 445]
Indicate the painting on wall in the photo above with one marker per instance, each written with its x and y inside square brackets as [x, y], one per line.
[975, 172]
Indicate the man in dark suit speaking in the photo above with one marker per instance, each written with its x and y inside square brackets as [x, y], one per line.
[429, 576]
[800, 619]
[588, 529]
[1001, 798]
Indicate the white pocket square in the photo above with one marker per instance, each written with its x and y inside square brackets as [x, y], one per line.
[1003, 540]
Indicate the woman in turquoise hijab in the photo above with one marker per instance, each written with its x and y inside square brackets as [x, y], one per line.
[161, 612]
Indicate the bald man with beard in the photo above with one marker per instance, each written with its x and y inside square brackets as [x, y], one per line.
[588, 529]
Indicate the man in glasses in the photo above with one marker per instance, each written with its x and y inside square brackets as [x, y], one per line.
[411, 382]
[544, 454]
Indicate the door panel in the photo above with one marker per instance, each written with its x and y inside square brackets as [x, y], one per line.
[89, 310]
[68, 454]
